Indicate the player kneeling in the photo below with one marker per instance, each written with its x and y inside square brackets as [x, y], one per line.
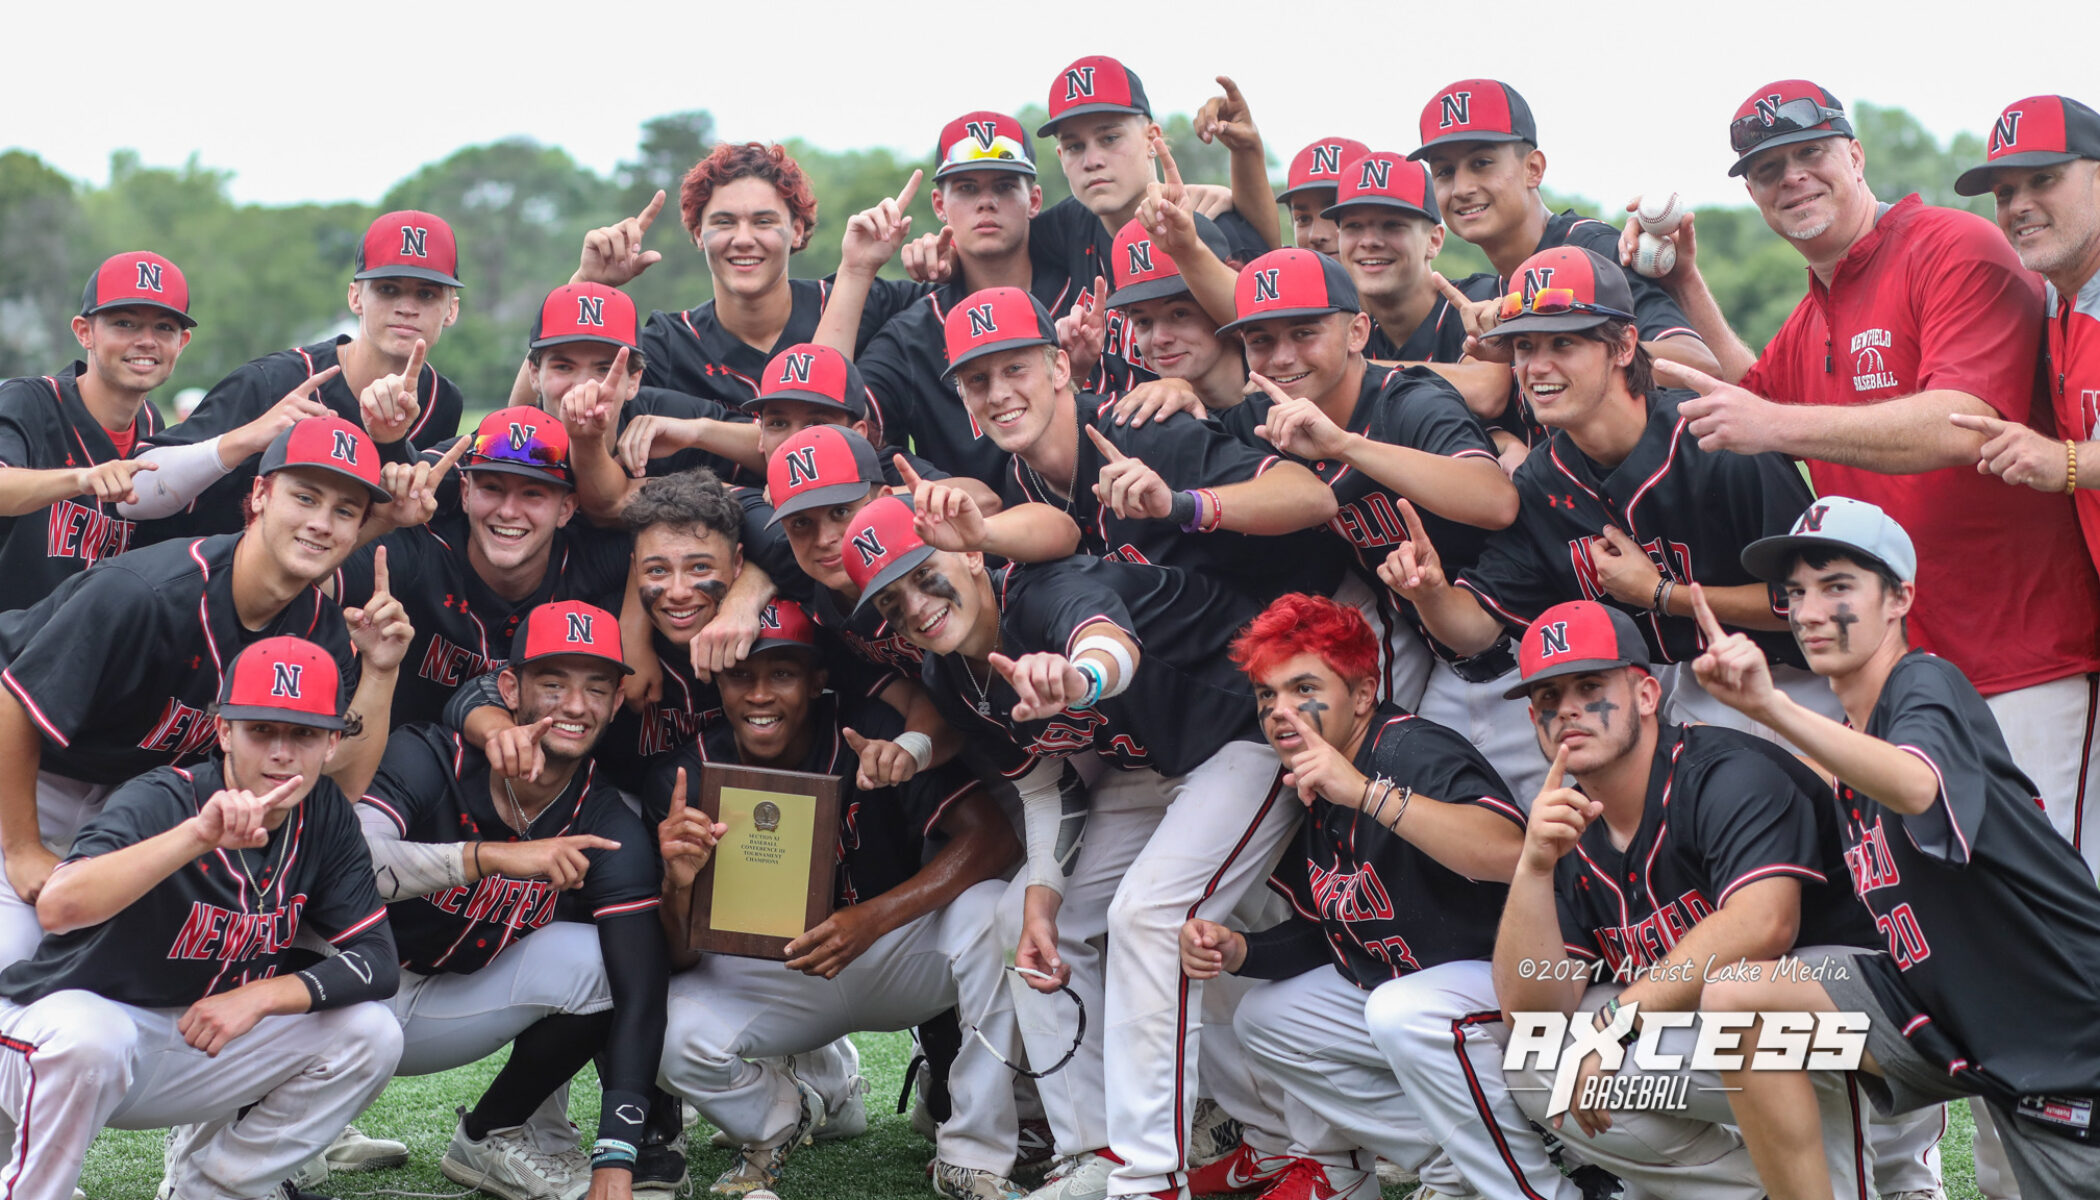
[1991, 920]
[155, 997]
[1389, 879]
[910, 939]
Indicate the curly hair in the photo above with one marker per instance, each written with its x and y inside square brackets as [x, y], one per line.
[1640, 373]
[693, 502]
[731, 161]
[1297, 624]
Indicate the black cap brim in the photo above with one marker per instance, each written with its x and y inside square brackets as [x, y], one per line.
[184, 319]
[1562, 670]
[1010, 166]
[1785, 139]
[1050, 127]
[570, 338]
[379, 494]
[1772, 559]
[764, 644]
[1284, 196]
[1331, 211]
[500, 467]
[1150, 289]
[285, 716]
[423, 273]
[823, 497]
[803, 397]
[897, 570]
[993, 348]
[1567, 322]
[1976, 181]
[604, 658]
[1471, 135]
[1281, 314]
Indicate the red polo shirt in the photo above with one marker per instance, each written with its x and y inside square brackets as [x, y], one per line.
[2074, 387]
[1934, 298]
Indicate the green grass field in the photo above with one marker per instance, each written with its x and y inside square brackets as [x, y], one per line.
[887, 1164]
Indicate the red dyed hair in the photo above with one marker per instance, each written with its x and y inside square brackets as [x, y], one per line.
[1298, 624]
[732, 161]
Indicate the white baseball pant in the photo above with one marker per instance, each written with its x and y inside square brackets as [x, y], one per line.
[1404, 659]
[1500, 729]
[62, 806]
[2050, 730]
[74, 1063]
[1690, 703]
[728, 1011]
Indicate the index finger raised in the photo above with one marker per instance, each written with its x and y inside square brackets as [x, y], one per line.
[277, 795]
[312, 382]
[1107, 448]
[678, 794]
[450, 458]
[1232, 91]
[910, 189]
[1709, 624]
[413, 372]
[1449, 289]
[1168, 171]
[380, 578]
[1413, 521]
[647, 216]
[910, 477]
[1557, 773]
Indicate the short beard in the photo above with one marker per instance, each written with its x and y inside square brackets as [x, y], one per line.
[1813, 232]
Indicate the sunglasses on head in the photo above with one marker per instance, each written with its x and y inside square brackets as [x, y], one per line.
[1002, 149]
[1548, 302]
[1748, 132]
[517, 445]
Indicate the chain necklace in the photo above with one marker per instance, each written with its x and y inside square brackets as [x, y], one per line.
[984, 700]
[274, 872]
[1071, 485]
[518, 811]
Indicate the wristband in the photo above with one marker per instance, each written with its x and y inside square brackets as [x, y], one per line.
[1126, 669]
[1185, 511]
[477, 862]
[1655, 602]
[1096, 676]
[918, 745]
[2070, 467]
[1217, 511]
[1669, 590]
[612, 1152]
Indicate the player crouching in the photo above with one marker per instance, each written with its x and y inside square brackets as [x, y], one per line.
[1991, 920]
[911, 936]
[155, 997]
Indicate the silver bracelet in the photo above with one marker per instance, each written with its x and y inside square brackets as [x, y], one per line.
[1407, 794]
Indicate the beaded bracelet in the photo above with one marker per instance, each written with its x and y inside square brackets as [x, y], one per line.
[2070, 467]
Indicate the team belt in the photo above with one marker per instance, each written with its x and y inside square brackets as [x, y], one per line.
[1488, 665]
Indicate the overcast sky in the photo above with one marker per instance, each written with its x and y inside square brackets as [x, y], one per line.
[340, 101]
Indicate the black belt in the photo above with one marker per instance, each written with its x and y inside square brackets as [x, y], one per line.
[1488, 665]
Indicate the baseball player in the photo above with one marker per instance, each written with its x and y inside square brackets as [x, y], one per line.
[405, 294]
[582, 328]
[471, 574]
[1980, 906]
[157, 998]
[1308, 191]
[1186, 822]
[1375, 435]
[1385, 880]
[1482, 147]
[1914, 315]
[748, 207]
[1165, 287]
[473, 866]
[1622, 506]
[113, 674]
[1686, 846]
[909, 939]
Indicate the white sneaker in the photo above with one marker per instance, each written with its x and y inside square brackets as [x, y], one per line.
[1213, 1134]
[850, 1118]
[1082, 1178]
[1392, 1174]
[353, 1151]
[756, 1169]
[507, 1164]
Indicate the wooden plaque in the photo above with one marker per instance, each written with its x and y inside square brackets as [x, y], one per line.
[770, 878]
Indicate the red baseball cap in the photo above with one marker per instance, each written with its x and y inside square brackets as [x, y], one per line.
[995, 319]
[585, 312]
[1319, 165]
[1476, 110]
[284, 679]
[1145, 271]
[882, 546]
[521, 440]
[1096, 83]
[1582, 289]
[2039, 131]
[409, 245]
[1573, 639]
[1385, 180]
[138, 279]
[1291, 283]
[821, 466]
[813, 374]
[985, 141]
[784, 623]
[1780, 114]
[327, 444]
[568, 627]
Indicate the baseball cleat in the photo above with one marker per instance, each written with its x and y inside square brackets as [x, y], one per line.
[659, 1171]
[1309, 1180]
[969, 1183]
[1392, 1174]
[508, 1164]
[1213, 1134]
[1082, 1177]
[353, 1151]
[757, 1168]
[1242, 1171]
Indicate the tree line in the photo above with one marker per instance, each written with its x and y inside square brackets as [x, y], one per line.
[264, 277]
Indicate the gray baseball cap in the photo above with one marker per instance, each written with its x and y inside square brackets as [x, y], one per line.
[1851, 527]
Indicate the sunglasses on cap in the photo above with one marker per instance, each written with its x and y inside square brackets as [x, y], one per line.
[969, 150]
[503, 446]
[1547, 302]
[1747, 133]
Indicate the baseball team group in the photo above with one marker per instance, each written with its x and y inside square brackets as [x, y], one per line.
[1266, 685]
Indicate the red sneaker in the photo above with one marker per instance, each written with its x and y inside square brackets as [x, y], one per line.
[1305, 1179]
[1241, 1172]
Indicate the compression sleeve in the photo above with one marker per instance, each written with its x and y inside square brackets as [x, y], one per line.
[180, 474]
[1285, 951]
[404, 870]
[367, 967]
[638, 970]
[1053, 810]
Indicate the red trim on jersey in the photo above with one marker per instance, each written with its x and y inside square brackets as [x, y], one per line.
[378, 915]
[1669, 460]
[28, 1051]
[632, 906]
[29, 706]
[392, 814]
[1952, 822]
[1916, 1023]
[1862, 1185]
[941, 810]
[204, 611]
[1481, 1104]
[1767, 872]
[1098, 619]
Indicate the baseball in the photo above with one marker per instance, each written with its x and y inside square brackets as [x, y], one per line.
[1660, 212]
[1655, 256]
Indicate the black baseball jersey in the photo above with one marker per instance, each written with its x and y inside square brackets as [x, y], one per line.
[1188, 452]
[663, 402]
[1656, 314]
[255, 388]
[226, 918]
[1186, 701]
[1441, 338]
[45, 426]
[463, 627]
[690, 352]
[435, 788]
[903, 365]
[119, 666]
[1692, 510]
[1990, 918]
[1724, 809]
[882, 833]
[865, 633]
[1080, 248]
[1381, 906]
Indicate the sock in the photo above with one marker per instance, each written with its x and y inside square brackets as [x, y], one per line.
[545, 1056]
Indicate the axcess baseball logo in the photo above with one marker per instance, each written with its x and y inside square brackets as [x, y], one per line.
[1791, 1041]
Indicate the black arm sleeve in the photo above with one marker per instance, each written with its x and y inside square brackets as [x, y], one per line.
[368, 968]
[1285, 951]
[638, 969]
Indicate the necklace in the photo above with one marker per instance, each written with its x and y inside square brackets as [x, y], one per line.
[274, 872]
[518, 811]
[1071, 485]
[984, 700]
